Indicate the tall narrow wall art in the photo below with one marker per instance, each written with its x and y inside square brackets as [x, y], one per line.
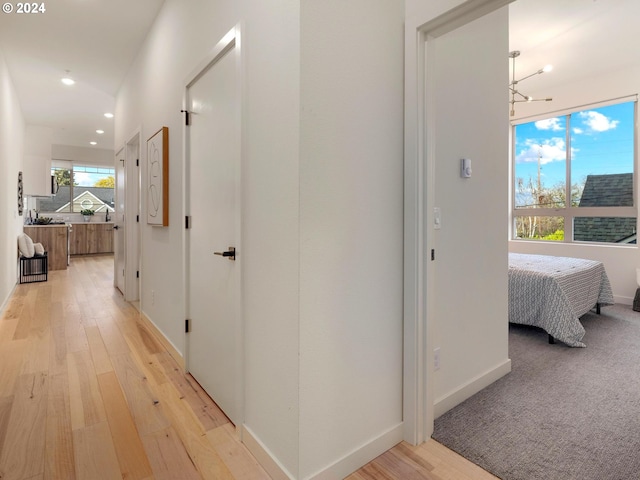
[158, 178]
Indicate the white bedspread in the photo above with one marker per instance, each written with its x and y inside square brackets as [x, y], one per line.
[554, 292]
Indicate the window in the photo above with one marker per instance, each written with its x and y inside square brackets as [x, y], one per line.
[81, 187]
[574, 177]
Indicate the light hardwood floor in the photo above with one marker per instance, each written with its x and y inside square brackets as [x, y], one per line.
[88, 393]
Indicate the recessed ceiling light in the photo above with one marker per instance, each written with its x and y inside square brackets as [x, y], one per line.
[99, 132]
[108, 115]
[93, 143]
[67, 80]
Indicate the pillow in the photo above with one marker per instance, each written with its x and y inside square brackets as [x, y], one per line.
[25, 245]
[38, 248]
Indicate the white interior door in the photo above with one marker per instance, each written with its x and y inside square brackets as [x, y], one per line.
[131, 240]
[118, 224]
[214, 280]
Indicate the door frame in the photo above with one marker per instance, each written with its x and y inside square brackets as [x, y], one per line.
[231, 40]
[119, 157]
[132, 152]
[419, 182]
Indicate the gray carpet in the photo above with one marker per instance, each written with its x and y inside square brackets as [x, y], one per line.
[562, 413]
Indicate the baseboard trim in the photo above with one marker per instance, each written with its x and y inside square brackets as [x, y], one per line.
[340, 469]
[623, 300]
[166, 343]
[447, 402]
[361, 455]
[6, 300]
[263, 456]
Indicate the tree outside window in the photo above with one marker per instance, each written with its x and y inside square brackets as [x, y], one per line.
[81, 187]
[573, 176]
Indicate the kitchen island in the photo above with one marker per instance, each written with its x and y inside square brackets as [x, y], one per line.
[89, 238]
[62, 240]
[54, 239]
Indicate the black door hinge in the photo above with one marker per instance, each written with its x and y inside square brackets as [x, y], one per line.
[137, 218]
[137, 273]
[187, 326]
[187, 117]
[433, 254]
[187, 222]
[137, 162]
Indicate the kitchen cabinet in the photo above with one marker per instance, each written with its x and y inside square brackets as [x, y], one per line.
[36, 168]
[89, 238]
[54, 240]
[36, 175]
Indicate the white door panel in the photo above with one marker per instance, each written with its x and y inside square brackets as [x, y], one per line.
[213, 281]
[118, 223]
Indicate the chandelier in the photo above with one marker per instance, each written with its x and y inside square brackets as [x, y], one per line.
[516, 95]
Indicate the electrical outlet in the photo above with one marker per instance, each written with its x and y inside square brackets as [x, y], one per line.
[436, 358]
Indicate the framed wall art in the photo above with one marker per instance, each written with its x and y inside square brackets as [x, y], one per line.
[158, 178]
[20, 192]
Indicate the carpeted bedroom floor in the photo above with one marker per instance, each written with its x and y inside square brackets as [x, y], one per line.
[562, 413]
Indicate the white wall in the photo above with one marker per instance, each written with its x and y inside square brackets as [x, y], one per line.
[470, 294]
[83, 155]
[322, 215]
[620, 262]
[12, 132]
[271, 226]
[350, 228]
[151, 97]
[322, 329]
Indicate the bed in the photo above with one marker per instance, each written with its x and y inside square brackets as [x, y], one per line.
[554, 292]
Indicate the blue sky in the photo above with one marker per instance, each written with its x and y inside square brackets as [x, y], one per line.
[601, 143]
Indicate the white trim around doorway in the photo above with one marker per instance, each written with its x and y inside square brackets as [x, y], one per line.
[418, 400]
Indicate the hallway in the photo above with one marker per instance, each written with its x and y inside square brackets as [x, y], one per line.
[88, 393]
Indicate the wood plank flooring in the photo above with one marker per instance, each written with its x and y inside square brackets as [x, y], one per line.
[88, 393]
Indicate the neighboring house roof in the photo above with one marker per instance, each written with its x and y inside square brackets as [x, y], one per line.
[615, 190]
[101, 199]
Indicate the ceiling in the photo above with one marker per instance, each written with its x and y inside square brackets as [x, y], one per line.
[580, 38]
[97, 40]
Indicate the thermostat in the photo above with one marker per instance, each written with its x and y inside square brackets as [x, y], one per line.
[465, 168]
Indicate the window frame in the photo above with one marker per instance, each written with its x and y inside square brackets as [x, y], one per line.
[81, 166]
[569, 212]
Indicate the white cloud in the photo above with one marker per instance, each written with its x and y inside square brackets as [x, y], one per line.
[578, 131]
[551, 150]
[597, 121]
[549, 124]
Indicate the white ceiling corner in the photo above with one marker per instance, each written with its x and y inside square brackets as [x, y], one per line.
[96, 40]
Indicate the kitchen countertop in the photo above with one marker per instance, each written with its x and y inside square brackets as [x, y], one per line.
[48, 225]
[67, 223]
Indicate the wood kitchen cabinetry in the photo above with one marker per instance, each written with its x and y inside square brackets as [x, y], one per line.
[54, 240]
[89, 238]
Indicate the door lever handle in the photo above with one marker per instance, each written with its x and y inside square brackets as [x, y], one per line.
[230, 254]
